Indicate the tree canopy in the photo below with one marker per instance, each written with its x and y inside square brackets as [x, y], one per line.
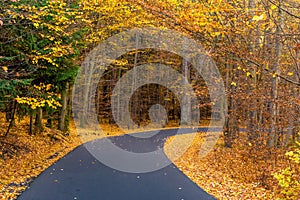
[254, 43]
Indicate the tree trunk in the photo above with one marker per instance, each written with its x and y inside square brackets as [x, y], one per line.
[31, 123]
[252, 125]
[63, 113]
[9, 111]
[12, 117]
[84, 112]
[274, 108]
[38, 120]
[186, 109]
[298, 76]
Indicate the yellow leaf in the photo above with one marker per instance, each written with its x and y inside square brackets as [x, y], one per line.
[255, 18]
[267, 67]
[233, 83]
[273, 7]
[36, 25]
[216, 33]
[261, 17]
[290, 74]
[5, 68]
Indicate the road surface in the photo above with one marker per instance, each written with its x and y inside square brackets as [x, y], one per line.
[79, 175]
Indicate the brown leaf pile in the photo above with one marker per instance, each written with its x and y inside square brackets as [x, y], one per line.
[241, 172]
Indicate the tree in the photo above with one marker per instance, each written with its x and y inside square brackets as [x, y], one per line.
[38, 41]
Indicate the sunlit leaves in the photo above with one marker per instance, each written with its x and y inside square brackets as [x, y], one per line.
[260, 17]
[199, 17]
[4, 68]
[51, 25]
[101, 18]
[289, 178]
[41, 96]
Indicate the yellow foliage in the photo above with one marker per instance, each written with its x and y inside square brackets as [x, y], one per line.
[4, 68]
[45, 98]
[260, 17]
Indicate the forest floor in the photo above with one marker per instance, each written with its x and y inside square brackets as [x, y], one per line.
[224, 173]
[23, 157]
[234, 173]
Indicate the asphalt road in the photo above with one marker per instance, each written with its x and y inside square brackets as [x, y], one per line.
[79, 175]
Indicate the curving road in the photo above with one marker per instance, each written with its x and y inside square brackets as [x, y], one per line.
[80, 176]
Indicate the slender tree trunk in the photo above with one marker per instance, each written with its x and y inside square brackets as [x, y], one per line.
[12, 117]
[31, 123]
[63, 112]
[227, 132]
[253, 125]
[273, 133]
[38, 120]
[186, 109]
[119, 114]
[9, 111]
[84, 115]
[298, 76]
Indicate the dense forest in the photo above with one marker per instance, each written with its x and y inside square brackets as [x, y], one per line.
[255, 45]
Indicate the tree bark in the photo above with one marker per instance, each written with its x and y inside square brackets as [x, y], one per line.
[12, 117]
[38, 120]
[273, 133]
[63, 113]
